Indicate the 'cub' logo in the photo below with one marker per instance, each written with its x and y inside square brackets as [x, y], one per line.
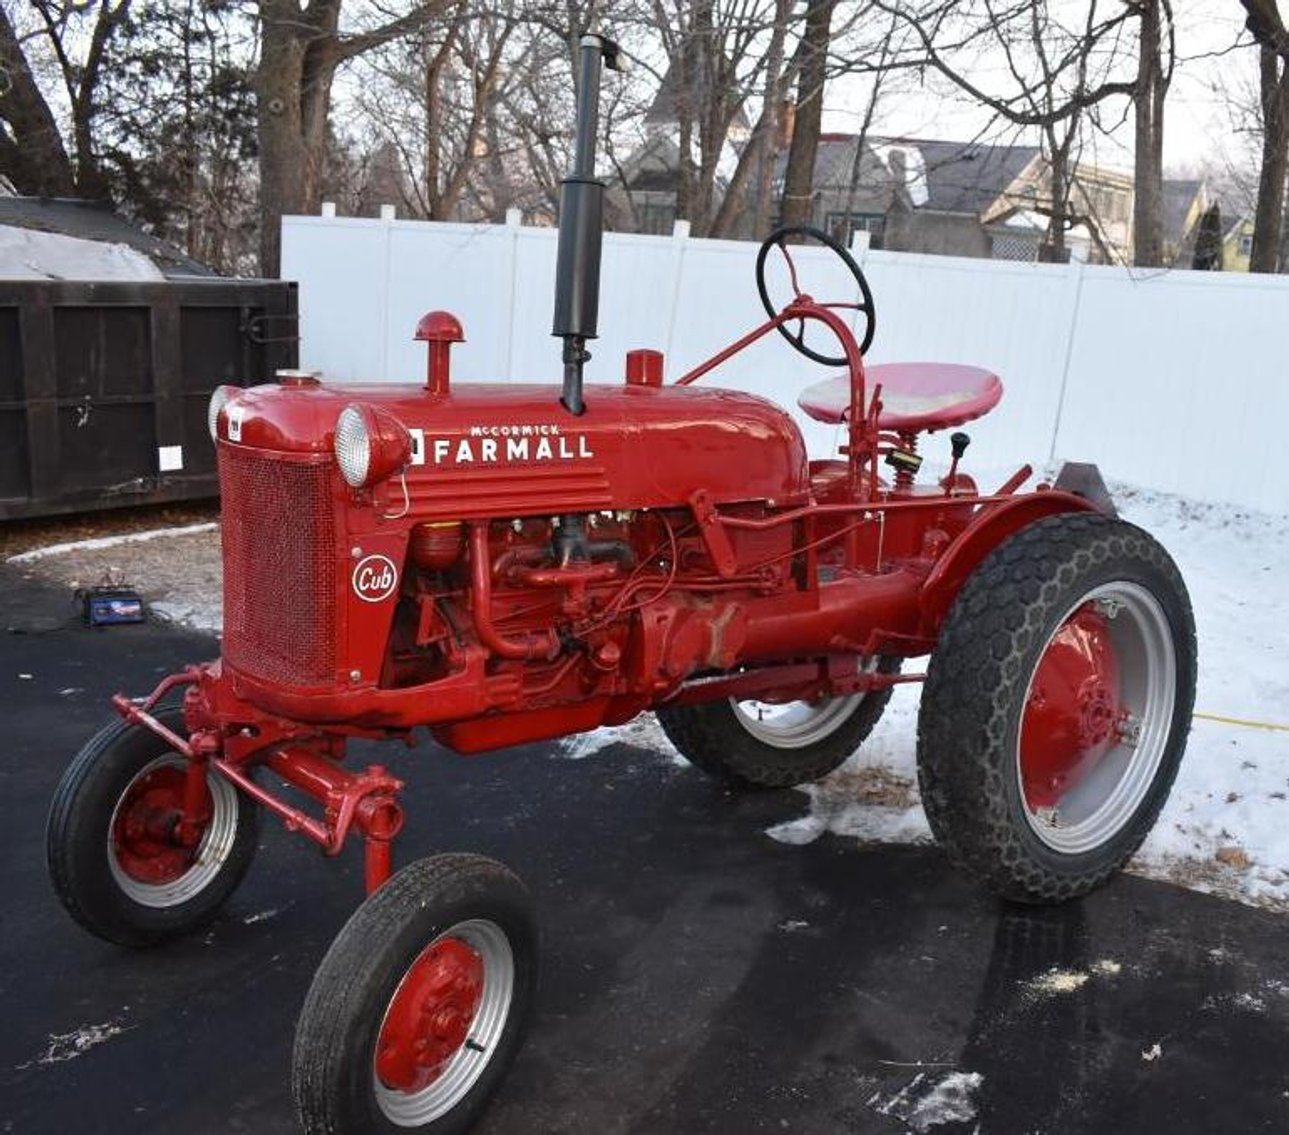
[375, 578]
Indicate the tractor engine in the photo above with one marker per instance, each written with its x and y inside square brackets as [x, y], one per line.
[588, 617]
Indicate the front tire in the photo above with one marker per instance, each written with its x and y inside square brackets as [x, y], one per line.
[752, 744]
[1057, 706]
[113, 856]
[420, 1005]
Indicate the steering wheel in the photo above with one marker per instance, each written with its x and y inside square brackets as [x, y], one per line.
[776, 240]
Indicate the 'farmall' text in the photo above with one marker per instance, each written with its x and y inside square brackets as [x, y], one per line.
[511, 443]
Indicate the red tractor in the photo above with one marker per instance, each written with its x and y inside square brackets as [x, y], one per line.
[497, 564]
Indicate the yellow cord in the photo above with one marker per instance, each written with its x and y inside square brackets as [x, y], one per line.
[1242, 721]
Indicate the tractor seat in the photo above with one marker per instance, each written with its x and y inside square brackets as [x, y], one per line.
[915, 396]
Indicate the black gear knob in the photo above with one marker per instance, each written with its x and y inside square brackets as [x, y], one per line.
[958, 444]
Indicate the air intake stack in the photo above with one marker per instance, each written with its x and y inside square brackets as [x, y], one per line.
[581, 224]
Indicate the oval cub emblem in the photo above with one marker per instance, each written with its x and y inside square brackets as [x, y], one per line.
[375, 578]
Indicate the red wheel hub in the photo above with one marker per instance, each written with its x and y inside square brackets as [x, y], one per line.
[430, 1017]
[146, 829]
[1073, 714]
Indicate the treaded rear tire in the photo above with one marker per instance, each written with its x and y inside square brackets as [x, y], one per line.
[336, 1037]
[977, 684]
[712, 738]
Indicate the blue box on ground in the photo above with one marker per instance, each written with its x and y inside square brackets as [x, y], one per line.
[109, 606]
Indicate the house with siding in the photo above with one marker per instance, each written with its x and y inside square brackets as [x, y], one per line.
[964, 198]
[948, 197]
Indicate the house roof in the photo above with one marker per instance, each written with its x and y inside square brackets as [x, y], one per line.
[654, 180]
[91, 220]
[1237, 227]
[663, 109]
[953, 177]
[835, 165]
[966, 177]
[1179, 197]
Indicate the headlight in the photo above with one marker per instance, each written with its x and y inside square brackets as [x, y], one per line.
[370, 444]
[218, 400]
[353, 445]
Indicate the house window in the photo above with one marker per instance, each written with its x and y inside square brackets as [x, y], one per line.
[1246, 244]
[658, 218]
[1108, 205]
[872, 223]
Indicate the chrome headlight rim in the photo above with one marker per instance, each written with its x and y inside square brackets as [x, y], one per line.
[219, 398]
[353, 446]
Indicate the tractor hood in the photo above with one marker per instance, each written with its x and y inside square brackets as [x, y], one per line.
[512, 450]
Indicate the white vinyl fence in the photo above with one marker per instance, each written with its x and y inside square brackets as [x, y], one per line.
[1172, 380]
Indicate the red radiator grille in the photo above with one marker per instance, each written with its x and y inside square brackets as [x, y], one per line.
[279, 568]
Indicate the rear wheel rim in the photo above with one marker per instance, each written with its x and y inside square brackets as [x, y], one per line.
[1097, 718]
[146, 860]
[798, 724]
[443, 1023]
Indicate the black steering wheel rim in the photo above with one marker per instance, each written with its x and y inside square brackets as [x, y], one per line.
[775, 240]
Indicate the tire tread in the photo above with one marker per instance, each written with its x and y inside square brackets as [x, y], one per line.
[352, 973]
[975, 682]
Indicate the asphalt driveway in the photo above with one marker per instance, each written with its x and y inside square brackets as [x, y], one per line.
[698, 976]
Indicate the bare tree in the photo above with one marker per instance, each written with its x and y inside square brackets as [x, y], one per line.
[716, 55]
[479, 108]
[1268, 27]
[301, 48]
[433, 100]
[756, 161]
[1056, 73]
[1156, 53]
[33, 154]
[798, 182]
[854, 44]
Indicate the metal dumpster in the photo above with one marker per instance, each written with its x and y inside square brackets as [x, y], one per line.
[104, 386]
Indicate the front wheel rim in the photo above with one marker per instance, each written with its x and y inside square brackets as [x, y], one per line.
[146, 861]
[443, 1023]
[1097, 718]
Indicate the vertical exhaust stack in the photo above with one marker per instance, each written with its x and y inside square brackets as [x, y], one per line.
[581, 224]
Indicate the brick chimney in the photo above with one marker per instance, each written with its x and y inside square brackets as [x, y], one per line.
[787, 125]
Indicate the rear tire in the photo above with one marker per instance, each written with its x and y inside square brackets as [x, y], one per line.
[113, 866]
[420, 1005]
[1057, 705]
[749, 744]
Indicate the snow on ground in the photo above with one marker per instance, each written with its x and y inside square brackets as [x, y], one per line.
[1232, 794]
[27, 254]
[1226, 826]
[99, 543]
[68, 1046]
[952, 1100]
[931, 1099]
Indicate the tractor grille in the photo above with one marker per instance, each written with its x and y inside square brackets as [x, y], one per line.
[279, 568]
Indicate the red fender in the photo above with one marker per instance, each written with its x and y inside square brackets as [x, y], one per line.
[988, 528]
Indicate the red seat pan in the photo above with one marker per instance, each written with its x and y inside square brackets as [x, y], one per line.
[915, 396]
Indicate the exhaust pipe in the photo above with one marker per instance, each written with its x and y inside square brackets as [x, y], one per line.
[581, 224]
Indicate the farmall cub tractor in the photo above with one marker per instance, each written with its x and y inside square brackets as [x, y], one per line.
[498, 564]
